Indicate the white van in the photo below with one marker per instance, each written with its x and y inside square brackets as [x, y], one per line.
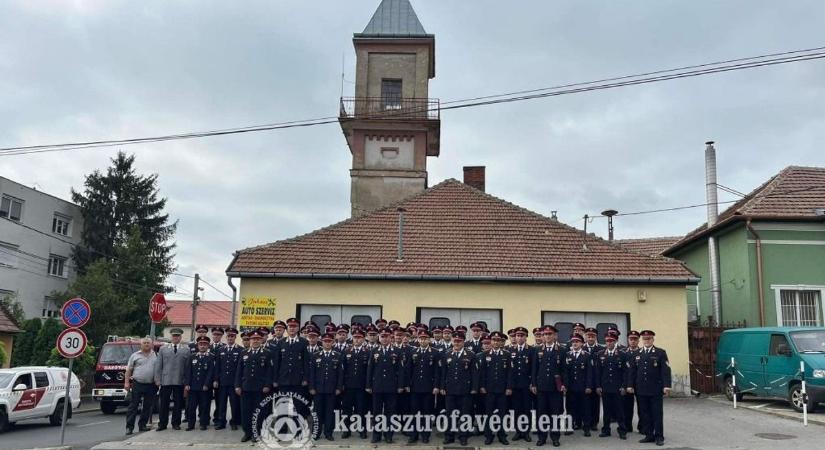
[35, 393]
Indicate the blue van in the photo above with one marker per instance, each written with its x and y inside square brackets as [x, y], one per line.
[767, 363]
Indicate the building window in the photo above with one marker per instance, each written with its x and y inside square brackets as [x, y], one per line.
[60, 224]
[57, 266]
[391, 93]
[799, 308]
[11, 208]
[8, 255]
[49, 309]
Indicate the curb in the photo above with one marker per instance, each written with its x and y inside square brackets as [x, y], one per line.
[811, 420]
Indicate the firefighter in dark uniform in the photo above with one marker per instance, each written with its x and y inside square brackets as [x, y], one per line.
[200, 331]
[227, 364]
[548, 381]
[592, 346]
[326, 381]
[385, 380]
[422, 380]
[245, 340]
[356, 358]
[520, 373]
[459, 382]
[289, 362]
[495, 386]
[253, 379]
[629, 400]
[278, 328]
[197, 384]
[402, 402]
[341, 337]
[610, 382]
[650, 380]
[579, 384]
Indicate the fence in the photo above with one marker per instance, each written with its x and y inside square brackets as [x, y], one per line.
[702, 342]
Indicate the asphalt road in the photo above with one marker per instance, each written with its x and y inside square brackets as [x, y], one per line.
[83, 431]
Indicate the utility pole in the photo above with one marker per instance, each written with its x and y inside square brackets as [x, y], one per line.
[194, 307]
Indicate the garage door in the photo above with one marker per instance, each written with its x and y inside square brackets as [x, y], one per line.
[563, 321]
[460, 316]
[321, 314]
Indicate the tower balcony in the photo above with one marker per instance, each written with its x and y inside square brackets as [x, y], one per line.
[389, 108]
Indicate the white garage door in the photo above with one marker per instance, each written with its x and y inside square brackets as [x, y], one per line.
[564, 321]
[321, 314]
[460, 316]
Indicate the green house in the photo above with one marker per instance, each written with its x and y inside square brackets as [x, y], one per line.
[771, 254]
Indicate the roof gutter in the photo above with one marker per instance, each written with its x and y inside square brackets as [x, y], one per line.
[499, 279]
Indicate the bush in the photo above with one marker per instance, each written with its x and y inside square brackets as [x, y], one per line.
[45, 342]
[83, 364]
[24, 343]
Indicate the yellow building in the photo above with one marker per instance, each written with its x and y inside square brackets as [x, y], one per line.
[450, 254]
[8, 329]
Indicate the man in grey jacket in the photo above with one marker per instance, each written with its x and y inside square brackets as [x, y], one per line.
[169, 371]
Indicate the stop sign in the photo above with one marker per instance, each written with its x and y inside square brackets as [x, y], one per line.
[157, 308]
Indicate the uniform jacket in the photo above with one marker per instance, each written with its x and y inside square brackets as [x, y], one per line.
[521, 366]
[424, 369]
[227, 364]
[549, 368]
[326, 372]
[340, 347]
[171, 367]
[215, 348]
[594, 350]
[579, 371]
[254, 370]
[649, 371]
[473, 346]
[460, 373]
[385, 370]
[290, 361]
[611, 371]
[494, 368]
[355, 367]
[200, 371]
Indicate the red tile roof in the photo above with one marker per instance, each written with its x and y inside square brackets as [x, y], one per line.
[453, 231]
[795, 193]
[7, 323]
[210, 313]
[649, 246]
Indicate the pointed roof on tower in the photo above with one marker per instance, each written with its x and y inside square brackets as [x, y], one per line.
[394, 19]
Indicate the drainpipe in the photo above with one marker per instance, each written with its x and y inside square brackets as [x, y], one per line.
[234, 300]
[713, 215]
[759, 272]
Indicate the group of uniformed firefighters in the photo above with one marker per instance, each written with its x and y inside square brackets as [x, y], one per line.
[387, 369]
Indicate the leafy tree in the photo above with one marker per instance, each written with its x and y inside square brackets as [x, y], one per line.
[24, 343]
[2, 354]
[45, 341]
[13, 307]
[114, 202]
[82, 365]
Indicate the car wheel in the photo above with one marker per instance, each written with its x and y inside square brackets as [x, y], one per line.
[795, 398]
[729, 390]
[4, 422]
[108, 407]
[57, 415]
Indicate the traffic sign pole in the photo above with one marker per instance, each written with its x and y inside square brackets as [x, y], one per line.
[66, 401]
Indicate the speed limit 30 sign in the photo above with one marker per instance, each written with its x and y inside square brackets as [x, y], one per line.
[71, 342]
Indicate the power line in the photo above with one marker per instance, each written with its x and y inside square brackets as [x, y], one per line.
[644, 78]
[204, 282]
[730, 190]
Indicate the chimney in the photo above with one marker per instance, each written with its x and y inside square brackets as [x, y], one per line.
[474, 176]
[713, 216]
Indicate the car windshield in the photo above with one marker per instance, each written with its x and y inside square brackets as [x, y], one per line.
[117, 354]
[809, 341]
[5, 378]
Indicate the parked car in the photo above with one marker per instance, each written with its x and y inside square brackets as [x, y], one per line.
[34, 393]
[767, 363]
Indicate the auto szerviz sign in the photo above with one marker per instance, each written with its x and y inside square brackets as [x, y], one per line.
[257, 312]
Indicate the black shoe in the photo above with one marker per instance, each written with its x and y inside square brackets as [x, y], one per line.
[160, 428]
[647, 440]
[604, 434]
[503, 440]
[541, 441]
[412, 440]
[586, 432]
[129, 432]
[556, 443]
[246, 438]
[488, 440]
[568, 433]
[144, 428]
[254, 439]
[462, 441]
[176, 427]
[346, 434]
[526, 437]
[516, 437]
[388, 439]
[329, 437]
[220, 427]
[233, 427]
[190, 428]
[448, 441]
[623, 436]
[425, 439]
[204, 427]
[362, 435]
[660, 441]
[376, 438]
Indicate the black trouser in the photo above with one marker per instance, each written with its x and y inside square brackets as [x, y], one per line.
[613, 410]
[354, 402]
[141, 393]
[383, 404]
[424, 403]
[594, 403]
[650, 415]
[227, 393]
[198, 401]
[521, 400]
[495, 404]
[324, 405]
[175, 395]
[549, 404]
[301, 407]
[250, 401]
[578, 406]
[628, 402]
[463, 403]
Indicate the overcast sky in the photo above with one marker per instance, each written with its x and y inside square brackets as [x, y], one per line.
[74, 71]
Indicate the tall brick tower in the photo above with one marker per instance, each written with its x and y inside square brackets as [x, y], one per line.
[391, 124]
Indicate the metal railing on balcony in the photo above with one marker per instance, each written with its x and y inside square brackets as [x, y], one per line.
[389, 108]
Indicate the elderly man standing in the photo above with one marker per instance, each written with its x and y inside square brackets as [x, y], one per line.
[140, 375]
[171, 364]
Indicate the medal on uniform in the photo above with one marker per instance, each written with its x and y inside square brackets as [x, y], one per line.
[449, 360]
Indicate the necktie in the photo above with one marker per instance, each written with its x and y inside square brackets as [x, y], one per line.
[176, 348]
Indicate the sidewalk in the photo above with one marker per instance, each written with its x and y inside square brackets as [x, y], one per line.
[689, 423]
